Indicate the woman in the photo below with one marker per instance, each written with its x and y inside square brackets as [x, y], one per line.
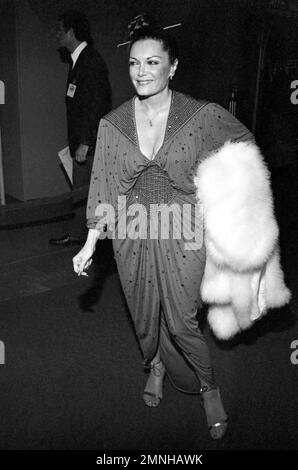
[148, 150]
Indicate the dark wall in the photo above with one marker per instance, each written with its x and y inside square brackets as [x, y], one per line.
[33, 117]
[42, 113]
[9, 112]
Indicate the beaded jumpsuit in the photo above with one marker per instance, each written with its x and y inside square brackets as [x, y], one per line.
[159, 274]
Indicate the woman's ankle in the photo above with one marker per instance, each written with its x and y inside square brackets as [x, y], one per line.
[153, 392]
[157, 367]
[215, 413]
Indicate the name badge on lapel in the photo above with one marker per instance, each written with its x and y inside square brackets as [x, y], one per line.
[71, 90]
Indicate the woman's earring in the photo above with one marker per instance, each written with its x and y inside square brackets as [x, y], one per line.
[171, 77]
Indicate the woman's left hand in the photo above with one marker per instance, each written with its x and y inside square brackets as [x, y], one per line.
[82, 261]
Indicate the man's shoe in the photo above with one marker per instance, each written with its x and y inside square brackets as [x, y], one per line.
[66, 240]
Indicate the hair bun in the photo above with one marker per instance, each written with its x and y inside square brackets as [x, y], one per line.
[139, 22]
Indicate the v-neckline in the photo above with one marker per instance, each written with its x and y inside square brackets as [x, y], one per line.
[165, 133]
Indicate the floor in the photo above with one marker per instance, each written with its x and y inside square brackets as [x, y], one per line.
[72, 375]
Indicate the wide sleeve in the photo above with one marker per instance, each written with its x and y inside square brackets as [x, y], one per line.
[104, 184]
[221, 126]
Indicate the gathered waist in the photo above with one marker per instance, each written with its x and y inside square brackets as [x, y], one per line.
[153, 186]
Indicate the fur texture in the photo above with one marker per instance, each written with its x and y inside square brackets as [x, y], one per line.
[243, 277]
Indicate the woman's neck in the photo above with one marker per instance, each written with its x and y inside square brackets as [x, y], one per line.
[156, 102]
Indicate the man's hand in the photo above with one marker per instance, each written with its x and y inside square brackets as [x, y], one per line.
[81, 153]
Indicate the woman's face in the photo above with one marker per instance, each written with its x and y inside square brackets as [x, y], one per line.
[149, 67]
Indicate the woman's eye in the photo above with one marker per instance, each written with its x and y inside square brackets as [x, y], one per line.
[152, 62]
[131, 63]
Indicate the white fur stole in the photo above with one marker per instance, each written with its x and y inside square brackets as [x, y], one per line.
[243, 277]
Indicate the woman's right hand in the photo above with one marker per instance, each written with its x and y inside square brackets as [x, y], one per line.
[82, 260]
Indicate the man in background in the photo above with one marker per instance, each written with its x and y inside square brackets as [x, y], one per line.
[88, 98]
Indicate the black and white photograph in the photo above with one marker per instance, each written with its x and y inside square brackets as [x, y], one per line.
[148, 230]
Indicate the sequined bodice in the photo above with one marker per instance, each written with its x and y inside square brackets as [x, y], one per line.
[153, 186]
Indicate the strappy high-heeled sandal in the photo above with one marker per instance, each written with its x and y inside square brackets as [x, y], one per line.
[153, 392]
[217, 419]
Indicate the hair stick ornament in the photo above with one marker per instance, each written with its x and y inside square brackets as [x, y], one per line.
[164, 28]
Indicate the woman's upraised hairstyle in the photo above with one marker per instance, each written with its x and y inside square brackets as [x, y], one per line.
[145, 26]
[78, 21]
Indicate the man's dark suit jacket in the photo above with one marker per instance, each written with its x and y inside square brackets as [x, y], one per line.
[91, 100]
